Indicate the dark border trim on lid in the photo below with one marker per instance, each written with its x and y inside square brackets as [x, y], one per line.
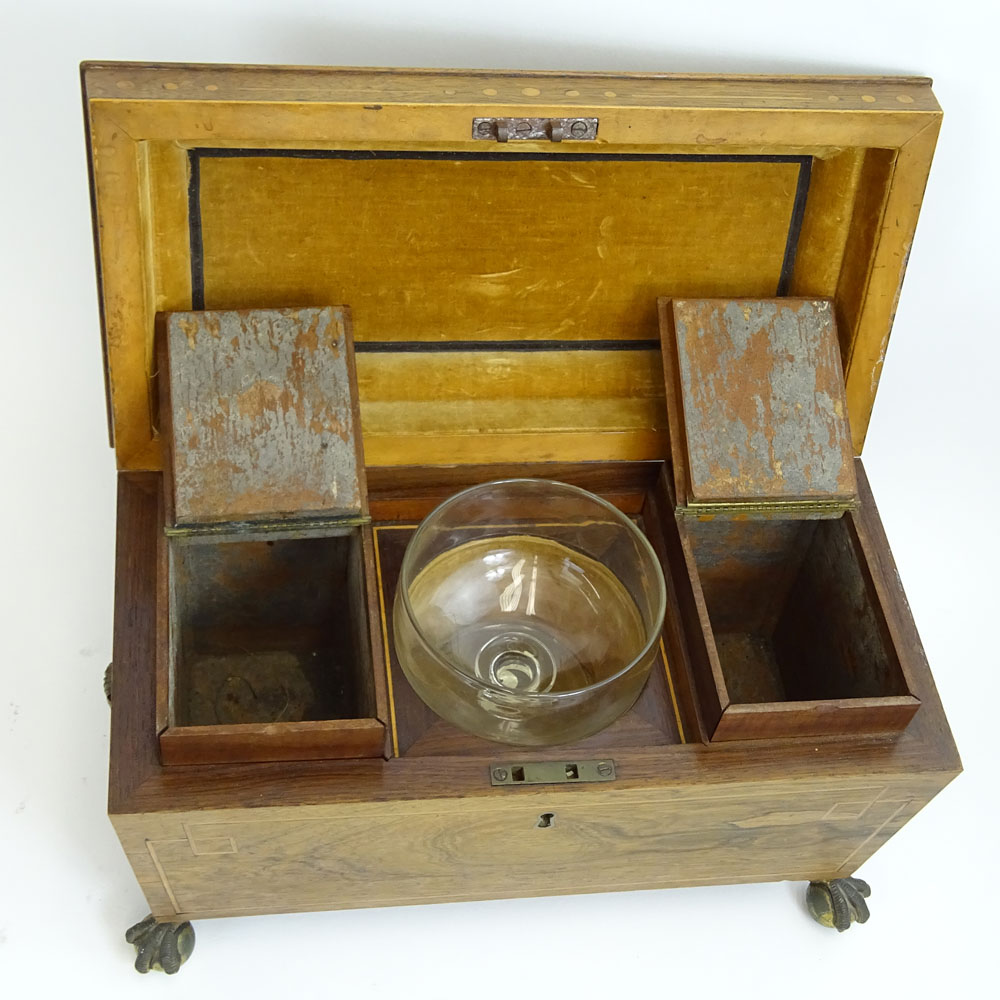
[795, 225]
[524, 346]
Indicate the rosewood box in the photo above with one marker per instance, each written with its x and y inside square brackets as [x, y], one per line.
[330, 298]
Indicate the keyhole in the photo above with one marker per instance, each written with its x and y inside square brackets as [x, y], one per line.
[546, 820]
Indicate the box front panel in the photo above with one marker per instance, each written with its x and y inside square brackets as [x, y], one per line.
[279, 860]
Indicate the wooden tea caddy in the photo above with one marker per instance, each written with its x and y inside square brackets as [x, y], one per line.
[499, 242]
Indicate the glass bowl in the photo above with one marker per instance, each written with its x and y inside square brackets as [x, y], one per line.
[528, 612]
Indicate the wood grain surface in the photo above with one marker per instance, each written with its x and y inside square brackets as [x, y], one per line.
[500, 243]
[237, 862]
[314, 740]
[353, 85]
[219, 840]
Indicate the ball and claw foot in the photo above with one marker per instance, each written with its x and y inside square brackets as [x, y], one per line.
[162, 946]
[839, 902]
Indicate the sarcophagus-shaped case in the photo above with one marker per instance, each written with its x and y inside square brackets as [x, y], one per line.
[674, 292]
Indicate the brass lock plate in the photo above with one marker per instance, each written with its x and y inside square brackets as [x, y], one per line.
[552, 772]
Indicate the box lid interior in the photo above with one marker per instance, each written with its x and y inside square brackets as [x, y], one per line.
[503, 294]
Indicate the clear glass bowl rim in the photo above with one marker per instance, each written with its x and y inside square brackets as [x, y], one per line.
[405, 572]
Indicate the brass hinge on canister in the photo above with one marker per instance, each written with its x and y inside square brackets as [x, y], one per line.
[553, 129]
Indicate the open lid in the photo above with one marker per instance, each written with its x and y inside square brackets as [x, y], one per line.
[757, 409]
[503, 293]
[259, 415]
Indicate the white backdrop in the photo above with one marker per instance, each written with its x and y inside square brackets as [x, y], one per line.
[66, 891]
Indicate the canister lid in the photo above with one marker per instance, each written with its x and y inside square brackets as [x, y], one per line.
[260, 411]
[757, 407]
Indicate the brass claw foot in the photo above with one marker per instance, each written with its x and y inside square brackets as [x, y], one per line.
[165, 946]
[839, 902]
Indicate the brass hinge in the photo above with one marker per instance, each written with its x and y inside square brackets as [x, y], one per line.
[303, 527]
[554, 129]
[750, 508]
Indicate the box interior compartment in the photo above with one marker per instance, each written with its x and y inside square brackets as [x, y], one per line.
[400, 499]
[794, 613]
[269, 631]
